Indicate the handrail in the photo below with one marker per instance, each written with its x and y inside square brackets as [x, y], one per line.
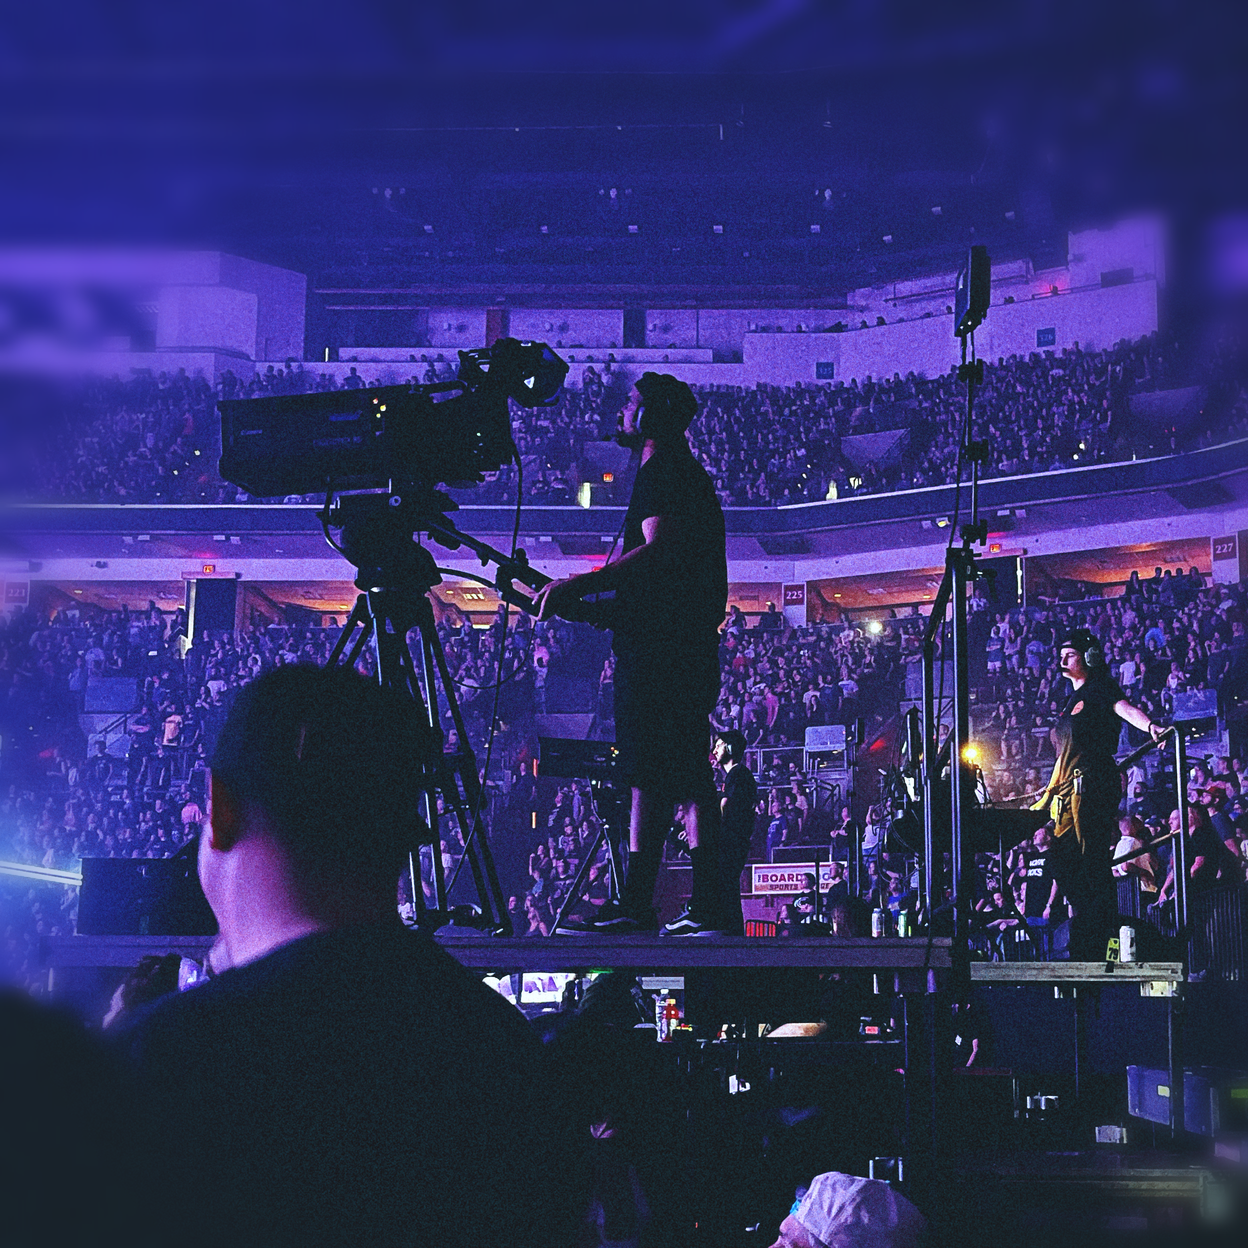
[1140, 750]
[112, 723]
[1177, 733]
[1144, 849]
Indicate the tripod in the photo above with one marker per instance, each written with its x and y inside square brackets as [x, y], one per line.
[395, 577]
[606, 832]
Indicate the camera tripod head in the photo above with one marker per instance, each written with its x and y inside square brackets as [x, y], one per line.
[376, 532]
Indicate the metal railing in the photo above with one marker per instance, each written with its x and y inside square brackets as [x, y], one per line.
[959, 572]
[1177, 732]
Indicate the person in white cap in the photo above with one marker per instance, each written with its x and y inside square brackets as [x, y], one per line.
[843, 1211]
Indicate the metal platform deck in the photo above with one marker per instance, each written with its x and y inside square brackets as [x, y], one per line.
[1144, 973]
[657, 953]
[689, 953]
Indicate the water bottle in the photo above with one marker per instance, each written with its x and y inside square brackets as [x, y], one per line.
[877, 922]
[666, 1019]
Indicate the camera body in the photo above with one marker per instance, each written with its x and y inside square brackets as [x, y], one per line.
[450, 432]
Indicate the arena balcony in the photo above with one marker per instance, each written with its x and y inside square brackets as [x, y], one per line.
[1202, 493]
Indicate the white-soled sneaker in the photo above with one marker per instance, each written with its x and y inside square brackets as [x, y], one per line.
[691, 923]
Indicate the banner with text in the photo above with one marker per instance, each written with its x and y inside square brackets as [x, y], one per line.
[1224, 557]
[794, 604]
[787, 877]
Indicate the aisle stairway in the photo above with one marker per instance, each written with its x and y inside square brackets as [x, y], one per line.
[108, 700]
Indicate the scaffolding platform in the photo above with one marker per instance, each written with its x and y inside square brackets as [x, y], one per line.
[1162, 974]
[658, 953]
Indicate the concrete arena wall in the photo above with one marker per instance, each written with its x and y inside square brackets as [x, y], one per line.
[451, 327]
[220, 315]
[1092, 319]
[281, 305]
[577, 357]
[589, 327]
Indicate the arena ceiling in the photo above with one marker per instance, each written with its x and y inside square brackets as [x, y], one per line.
[276, 134]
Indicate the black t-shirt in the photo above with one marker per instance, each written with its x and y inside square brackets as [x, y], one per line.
[1039, 877]
[685, 603]
[354, 1087]
[1088, 729]
[991, 912]
[740, 802]
[968, 1025]
[806, 904]
[1202, 842]
[837, 895]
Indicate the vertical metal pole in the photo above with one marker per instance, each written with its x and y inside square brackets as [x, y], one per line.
[1180, 841]
[1174, 1037]
[931, 731]
[1081, 1037]
[856, 883]
[930, 750]
[961, 734]
[418, 888]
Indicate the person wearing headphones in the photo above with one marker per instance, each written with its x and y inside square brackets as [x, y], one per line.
[1085, 789]
[671, 593]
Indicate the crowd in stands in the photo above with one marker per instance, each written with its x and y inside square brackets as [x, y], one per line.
[157, 438]
[1164, 637]
[67, 797]
[141, 792]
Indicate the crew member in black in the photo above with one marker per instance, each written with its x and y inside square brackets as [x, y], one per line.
[341, 1080]
[671, 592]
[1085, 789]
[737, 806]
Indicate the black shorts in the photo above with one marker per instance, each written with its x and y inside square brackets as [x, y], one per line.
[663, 703]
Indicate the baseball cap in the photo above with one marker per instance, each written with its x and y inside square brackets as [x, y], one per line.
[844, 1211]
[670, 405]
[1080, 639]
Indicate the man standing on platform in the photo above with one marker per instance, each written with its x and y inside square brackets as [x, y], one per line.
[1085, 790]
[671, 592]
[738, 807]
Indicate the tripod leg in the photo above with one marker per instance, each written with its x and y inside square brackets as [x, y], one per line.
[439, 872]
[416, 884]
[358, 649]
[468, 834]
[477, 837]
[610, 829]
[396, 668]
[614, 858]
[574, 893]
[467, 762]
[446, 778]
[359, 618]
